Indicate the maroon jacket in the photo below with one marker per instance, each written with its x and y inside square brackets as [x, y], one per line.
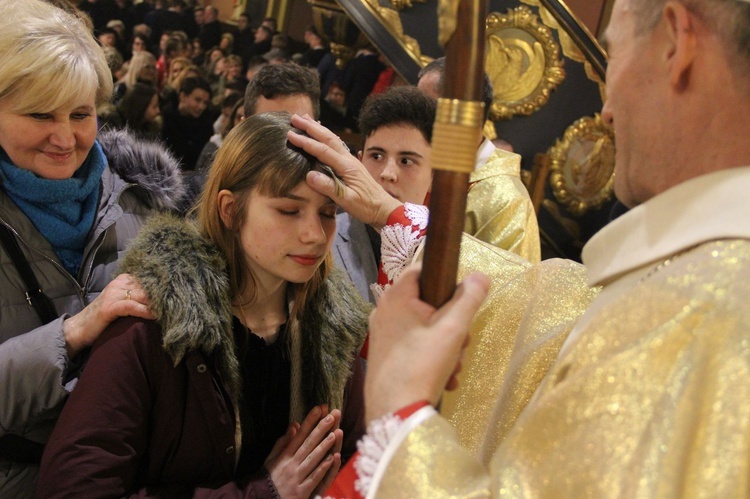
[158, 429]
[154, 411]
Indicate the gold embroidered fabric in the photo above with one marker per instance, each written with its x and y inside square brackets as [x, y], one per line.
[431, 465]
[515, 338]
[652, 400]
[498, 207]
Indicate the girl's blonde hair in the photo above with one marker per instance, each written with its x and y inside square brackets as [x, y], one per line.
[191, 70]
[49, 58]
[171, 73]
[255, 157]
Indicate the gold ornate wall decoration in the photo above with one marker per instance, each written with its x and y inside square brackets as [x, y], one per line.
[582, 165]
[570, 48]
[333, 23]
[523, 61]
[405, 4]
[392, 22]
[447, 15]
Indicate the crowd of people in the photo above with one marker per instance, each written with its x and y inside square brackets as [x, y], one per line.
[163, 44]
[207, 293]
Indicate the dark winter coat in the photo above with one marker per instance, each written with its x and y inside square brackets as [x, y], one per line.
[186, 135]
[157, 403]
[139, 179]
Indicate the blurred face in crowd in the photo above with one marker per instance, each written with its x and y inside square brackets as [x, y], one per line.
[148, 73]
[194, 103]
[107, 39]
[270, 24]
[243, 23]
[216, 54]
[232, 70]
[261, 35]
[152, 111]
[138, 45]
[197, 49]
[175, 69]
[219, 66]
[336, 96]
[163, 42]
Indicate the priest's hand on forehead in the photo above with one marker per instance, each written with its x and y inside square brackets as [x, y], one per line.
[357, 192]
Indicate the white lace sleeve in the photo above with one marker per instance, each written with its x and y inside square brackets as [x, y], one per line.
[399, 243]
[377, 446]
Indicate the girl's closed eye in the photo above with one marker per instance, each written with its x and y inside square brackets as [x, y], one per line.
[329, 212]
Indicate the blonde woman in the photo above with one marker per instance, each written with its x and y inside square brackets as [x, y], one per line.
[141, 69]
[68, 210]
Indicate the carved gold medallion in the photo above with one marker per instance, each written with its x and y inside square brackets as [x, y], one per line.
[582, 165]
[522, 60]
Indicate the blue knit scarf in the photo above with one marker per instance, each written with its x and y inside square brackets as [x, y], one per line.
[62, 210]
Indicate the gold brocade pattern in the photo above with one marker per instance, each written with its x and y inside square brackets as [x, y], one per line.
[502, 366]
[431, 446]
[652, 400]
[498, 207]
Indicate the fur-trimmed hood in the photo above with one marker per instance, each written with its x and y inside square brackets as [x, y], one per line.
[185, 277]
[146, 164]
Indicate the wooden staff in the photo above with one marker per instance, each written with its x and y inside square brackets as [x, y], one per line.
[455, 139]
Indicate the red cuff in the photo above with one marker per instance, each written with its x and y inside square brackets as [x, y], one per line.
[410, 409]
[398, 216]
[343, 486]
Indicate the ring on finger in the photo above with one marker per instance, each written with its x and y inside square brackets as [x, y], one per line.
[127, 294]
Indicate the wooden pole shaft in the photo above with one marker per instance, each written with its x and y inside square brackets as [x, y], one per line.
[455, 140]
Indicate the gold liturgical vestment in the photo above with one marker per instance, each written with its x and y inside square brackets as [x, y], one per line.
[498, 207]
[531, 308]
[650, 395]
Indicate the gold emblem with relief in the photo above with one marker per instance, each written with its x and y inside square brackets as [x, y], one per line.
[523, 62]
[582, 165]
